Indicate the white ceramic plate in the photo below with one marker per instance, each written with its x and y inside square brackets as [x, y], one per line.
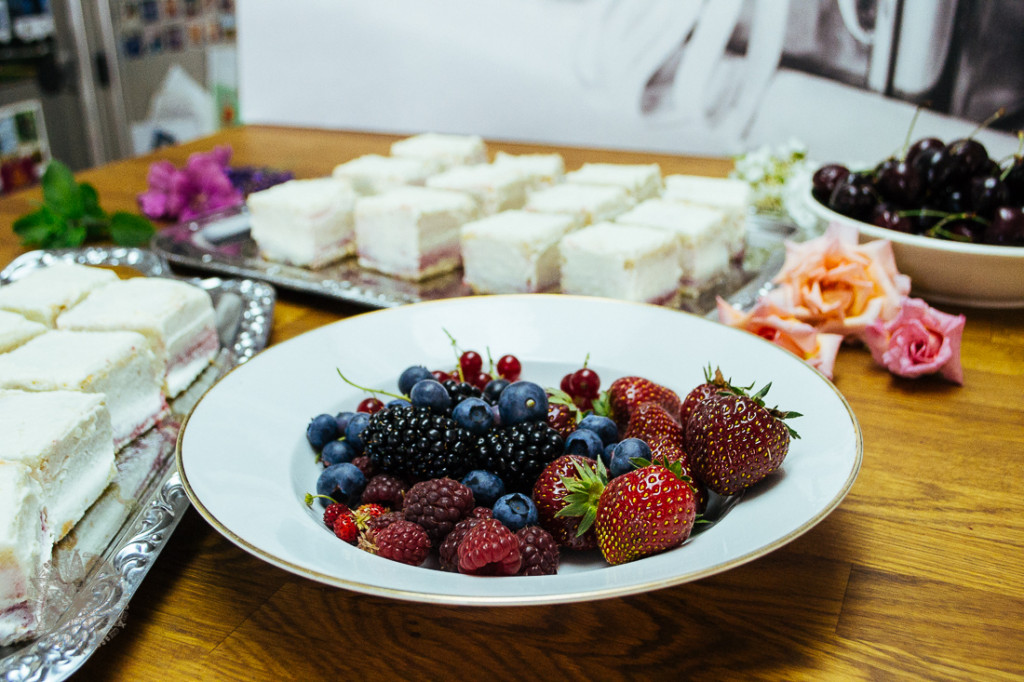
[945, 271]
[246, 464]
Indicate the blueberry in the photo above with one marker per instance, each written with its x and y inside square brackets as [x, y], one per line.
[343, 419]
[354, 430]
[341, 482]
[474, 415]
[606, 454]
[522, 401]
[486, 486]
[397, 402]
[515, 510]
[584, 442]
[410, 376]
[493, 389]
[602, 426]
[322, 429]
[337, 451]
[431, 394]
[625, 451]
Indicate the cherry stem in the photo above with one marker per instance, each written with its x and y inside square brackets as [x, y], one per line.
[910, 131]
[988, 121]
[371, 391]
[458, 353]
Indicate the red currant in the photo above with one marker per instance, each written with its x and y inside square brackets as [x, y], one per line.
[370, 405]
[441, 375]
[585, 383]
[471, 363]
[509, 367]
[480, 380]
[566, 383]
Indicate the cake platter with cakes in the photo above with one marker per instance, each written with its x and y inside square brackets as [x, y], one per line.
[103, 352]
[442, 216]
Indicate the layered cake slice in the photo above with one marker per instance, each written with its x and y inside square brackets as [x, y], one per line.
[590, 203]
[307, 223]
[118, 365]
[45, 293]
[704, 236]
[641, 181]
[626, 262]
[65, 440]
[373, 173]
[514, 251]
[446, 150]
[16, 329]
[729, 195]
[176, 318]
[412, 232]
[25, 547]
[494, 189]
[538, 170]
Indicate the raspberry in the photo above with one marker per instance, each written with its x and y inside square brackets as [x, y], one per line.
[345, 528]
[403, 541]
[385, 489]
[385, 519]
[539, 551]
[437, 505]
[482, 513]
[448, 552]
[364, 464]
[333, 511]
[489, 548]
[365, 512]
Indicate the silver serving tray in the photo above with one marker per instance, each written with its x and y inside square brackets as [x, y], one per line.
[97, 568]
[220, 243]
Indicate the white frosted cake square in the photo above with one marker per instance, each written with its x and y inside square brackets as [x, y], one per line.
[538, 170]
[412, 232]
[25, 547]
[16, 329]
[45, 293]
[641, 181]
[730, 195]
[704, 235]
[494, 189]
[445, 149]
[176, 318]
[621, 261]
[591, 203]
[373, 173]
[118, 365]
[514, 251]
[65, 440]
[307, 223]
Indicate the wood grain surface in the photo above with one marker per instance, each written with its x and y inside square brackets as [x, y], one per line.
[917, 575]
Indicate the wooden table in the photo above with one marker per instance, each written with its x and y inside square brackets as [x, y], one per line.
[918, 574]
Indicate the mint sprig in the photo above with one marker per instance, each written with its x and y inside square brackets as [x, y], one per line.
[70, 215]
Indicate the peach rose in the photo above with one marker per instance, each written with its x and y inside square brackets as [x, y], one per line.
[837, 285]
[918, 340]
[778, 326]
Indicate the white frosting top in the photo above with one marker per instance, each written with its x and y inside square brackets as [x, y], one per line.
[582, 199]
[390, 167]
[68, 360]
[633, 177]
[520, 227]
[728, 193]
[449, 149]
[32, 421]
[687, 219]
[15, 329]
[480, 176]
[415, 201]
[308, 198]
[44, 293]
[549, 166]
[626, 241]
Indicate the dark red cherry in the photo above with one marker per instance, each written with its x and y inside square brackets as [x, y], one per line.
[854, 198]
[899, 182]
[825, 179]
[988, 193]
[888, 216]
[1006, 228]
[922, 148]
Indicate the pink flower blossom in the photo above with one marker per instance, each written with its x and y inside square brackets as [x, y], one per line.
[778, 326]
[918, 340]
[837, 285]
[200, 187]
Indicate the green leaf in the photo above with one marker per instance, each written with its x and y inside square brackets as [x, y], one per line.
[60, 191]
[91, 201]
[74, 235]
[130, 229]
[39, 227]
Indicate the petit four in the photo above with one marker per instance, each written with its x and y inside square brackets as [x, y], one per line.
[494, 188]
[25, 547]
[538, 170]
[591, 203]
[16, 329]
[45, 293]
[373, 173]
[445, 149]
[641, 181]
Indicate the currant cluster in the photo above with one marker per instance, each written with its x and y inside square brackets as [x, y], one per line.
[949, 191]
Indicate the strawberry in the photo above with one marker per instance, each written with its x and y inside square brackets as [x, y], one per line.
[550, 496]
[563, 414]
[653, 424]
[645, 511]
[628, 393]
[735, 441]
[713, 385]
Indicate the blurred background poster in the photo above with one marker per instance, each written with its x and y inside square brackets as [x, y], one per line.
[844, 77]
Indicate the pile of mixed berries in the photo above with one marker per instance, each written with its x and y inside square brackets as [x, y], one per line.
[494, 475]
[951, 191]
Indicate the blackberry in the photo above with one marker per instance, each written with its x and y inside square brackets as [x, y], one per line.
[519, 453]
[416, 444]
[460, 390]
[538, 550]
[437, 505]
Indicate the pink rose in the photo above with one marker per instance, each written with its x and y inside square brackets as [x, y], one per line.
[837, 285]
[918, 340]
[200, 187]
[778, 326]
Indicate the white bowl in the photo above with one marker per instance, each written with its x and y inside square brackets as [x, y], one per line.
[941, 271]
